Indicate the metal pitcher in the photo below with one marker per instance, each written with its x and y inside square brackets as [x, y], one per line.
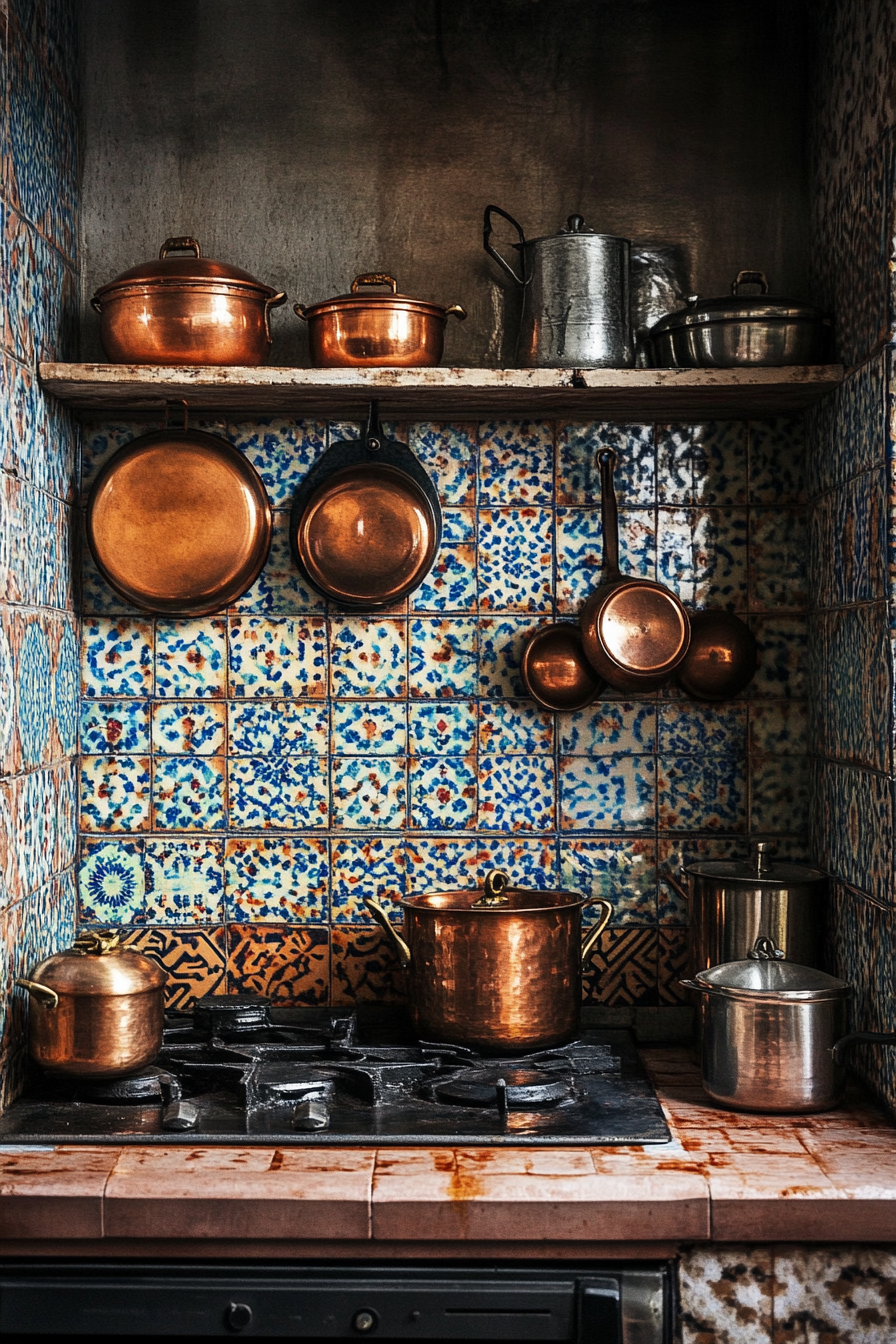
[575, 287]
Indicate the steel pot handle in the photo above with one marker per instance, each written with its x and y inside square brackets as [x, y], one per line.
[381, 917]
[857, 1038]
[179, 245]
[750, 278]
[521, 279]
[273, 302]
[375, 278]
[43, 993]
[592, 935]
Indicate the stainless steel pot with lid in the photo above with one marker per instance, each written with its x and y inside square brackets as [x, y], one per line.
[758, 330]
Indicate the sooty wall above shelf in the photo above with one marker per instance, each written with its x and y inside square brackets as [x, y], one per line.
[635, 395]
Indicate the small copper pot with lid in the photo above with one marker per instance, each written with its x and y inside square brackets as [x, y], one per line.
[97, 1009]
[364, 330]
[186, 310]
[498, 968]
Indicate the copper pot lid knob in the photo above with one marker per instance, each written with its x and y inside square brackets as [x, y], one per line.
[495, 893]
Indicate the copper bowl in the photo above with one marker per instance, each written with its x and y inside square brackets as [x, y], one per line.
[186, 310]
[368, 330]
[555, 670]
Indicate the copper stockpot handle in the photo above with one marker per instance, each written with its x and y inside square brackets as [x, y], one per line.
[592, 935]
[456, 311]
[300, 311]
[186, 244]
[96, 305]
[382, 918]
[43, 993]
[374, 278]
[273, 302]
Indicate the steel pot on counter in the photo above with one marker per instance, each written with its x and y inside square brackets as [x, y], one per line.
[740, 330]
[364, 330]
[186, 310]
[97, 1009]
[497, 969]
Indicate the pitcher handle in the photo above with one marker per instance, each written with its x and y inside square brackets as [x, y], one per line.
[486, 236]
[382, 918]
[592, 935]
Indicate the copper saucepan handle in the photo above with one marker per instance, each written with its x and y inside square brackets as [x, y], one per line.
[382, 918]
[592, 935]
[273, 302]
[609, 516]
[43, 993]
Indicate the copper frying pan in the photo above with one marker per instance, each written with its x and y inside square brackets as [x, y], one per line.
[722, 656]
[635, 632]
[178, 522]
[555, 670]
[366, 521]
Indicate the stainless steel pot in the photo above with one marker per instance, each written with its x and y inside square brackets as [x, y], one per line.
[769, 1029]
[733, 902]
[575, 287]
[756, 330]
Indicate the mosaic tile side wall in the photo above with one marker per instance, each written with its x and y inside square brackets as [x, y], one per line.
[853, 522]
[38, 473]
[247, 778]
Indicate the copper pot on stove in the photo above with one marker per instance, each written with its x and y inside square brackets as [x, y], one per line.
[97, 1009]
[496, 969]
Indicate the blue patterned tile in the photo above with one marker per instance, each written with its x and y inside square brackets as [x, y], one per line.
[277, 728]
[369, 792]
[276, 881]
[854, 550]
[33, 689]
[368, 657]
[184, 881]
[446, 863]
[778, 461]
[100, 441]
[515, 728]
[449, 453]
[443, 657]
[197, 728]
[778, 547]
[116, 657]
[851, 685]
[607, 793]
[114, 726]
[286, 793]
[621, 871]
[444, 729]
[110, 882]
[516, 462]
[515, 559]
[188, 793]
[711, 730]
[280, 589]
[516, 793]
[366, 866]
[114, 793]
[702, 556]
[278, 657]
[370, 727]
[442, 792]
[702, 464]
[501, 644]
[779, 728]
[781, 652]
[578, 474]
[779, 795]
[858, 830]
[281, 451]
[451, 583]
[702, 793]
[608, 728]
[580, 551]
[191, 658]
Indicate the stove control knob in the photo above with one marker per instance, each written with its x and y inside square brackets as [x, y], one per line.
[238, 1315]
[365, 1321]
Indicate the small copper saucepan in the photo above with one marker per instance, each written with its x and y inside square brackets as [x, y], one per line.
[555, 670]
[635, 632]
[364, 330]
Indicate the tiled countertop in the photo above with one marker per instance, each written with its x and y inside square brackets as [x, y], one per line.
[725, 1177]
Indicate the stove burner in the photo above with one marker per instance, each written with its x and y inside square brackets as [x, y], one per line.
[504, 1087]
[136, 1088]
[217, 1013]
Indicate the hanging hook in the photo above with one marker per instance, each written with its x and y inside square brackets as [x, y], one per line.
[178, 401]
[373, 434]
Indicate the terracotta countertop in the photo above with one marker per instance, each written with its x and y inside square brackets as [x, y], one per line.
[724, 1177]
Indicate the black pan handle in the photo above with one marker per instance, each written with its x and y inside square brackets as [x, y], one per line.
[859, 1038]
[521, 279]
[606, 462]
[373, 434]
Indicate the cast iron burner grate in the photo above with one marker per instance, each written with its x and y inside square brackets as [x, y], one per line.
[241, 1069]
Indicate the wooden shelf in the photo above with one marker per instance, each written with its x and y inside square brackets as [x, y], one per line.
[634, 395]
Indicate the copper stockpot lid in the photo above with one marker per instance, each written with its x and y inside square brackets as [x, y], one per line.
[97, 965]
[177, 271]
[361, 299]
[178, 521]
[495, 897]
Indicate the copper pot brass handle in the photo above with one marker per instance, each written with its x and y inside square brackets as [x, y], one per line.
[44, 995]
[273, 302]
[179, 245]
[300, 311]
[374, 278]
[456, 311]
[381, 917]
[592, 935]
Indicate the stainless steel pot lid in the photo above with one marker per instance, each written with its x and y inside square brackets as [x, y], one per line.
[737, 307]
[766, 976]
[759, 870]
[575, 228]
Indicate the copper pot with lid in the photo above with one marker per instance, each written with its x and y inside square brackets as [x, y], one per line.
[97, 1009]
[497, 968]
[186, 310]
[365, 330]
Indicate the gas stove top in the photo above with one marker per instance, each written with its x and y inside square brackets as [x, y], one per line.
[237, 1070]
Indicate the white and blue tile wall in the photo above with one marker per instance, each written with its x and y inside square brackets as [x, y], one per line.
[39, 631]
[247, 778]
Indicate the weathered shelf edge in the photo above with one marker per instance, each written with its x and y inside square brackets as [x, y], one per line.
[445, 393]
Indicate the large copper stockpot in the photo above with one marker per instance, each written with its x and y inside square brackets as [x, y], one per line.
[497, 969]
[186, 310]
[96, 1009]
[368, 330]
